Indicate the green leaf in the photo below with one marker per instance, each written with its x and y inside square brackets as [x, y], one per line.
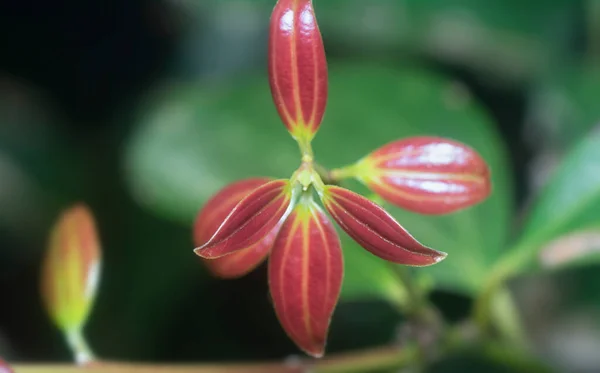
[565, 107]
[569, 204]
[503, 38]
[194, 141]
[508, 37]
[368, 277]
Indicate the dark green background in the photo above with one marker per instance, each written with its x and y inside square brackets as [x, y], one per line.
[143, 109]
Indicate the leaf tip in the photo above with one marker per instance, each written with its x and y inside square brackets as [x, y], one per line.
[209, 220]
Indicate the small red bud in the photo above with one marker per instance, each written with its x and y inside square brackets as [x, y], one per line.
[212, 216]
[71, 269]
[297, 67]
[376, 230]
[305, 276]
[250, 221]
[427, 175]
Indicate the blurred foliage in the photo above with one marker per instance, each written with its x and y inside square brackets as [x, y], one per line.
[565, 107]
[567, 203]
[506, 41]
[72, 128]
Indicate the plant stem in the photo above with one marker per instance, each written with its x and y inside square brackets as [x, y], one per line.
[426, 325]
[79, 347]
[514, 357]
[417, 305]
[324, 173]
[384, 359]
[363, 361]
[339, 174]
[517, 258]
[507, 319]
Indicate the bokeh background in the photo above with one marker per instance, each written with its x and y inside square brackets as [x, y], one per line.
[143, 109]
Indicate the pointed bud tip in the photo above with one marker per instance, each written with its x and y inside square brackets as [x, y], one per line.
[317, 352]
[198, 251]
[440, 256]
[376, 230]
[210, 218]
[250, 221]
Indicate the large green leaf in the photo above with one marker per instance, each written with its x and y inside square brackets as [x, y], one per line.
[369, 277]
[565, 107]
[569, 205]
[194, 141]
[507, 38]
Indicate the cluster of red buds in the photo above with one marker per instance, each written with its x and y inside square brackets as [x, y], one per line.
[253, 218]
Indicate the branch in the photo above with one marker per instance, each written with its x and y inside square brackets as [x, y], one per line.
[374, 359]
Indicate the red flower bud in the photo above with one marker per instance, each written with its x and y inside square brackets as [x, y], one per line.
[427, 175]
[305, 276]
[212, 216]
[297, 67]
[71, 269]
[250, 221]
[376, 230]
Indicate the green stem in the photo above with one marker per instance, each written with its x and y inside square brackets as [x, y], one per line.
[416, 300]
[79, 347]
[427, 326]
[363, 361]
[325, 174]
[514, 358]
[384, 359]
[339, 174]
[516, 259]
[507, 319]
[305, 149]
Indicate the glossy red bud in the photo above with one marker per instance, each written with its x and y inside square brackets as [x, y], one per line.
[211, 217]
[250, 221]
[305, 276]
[375, 229]
[297, 67]
[427, 175]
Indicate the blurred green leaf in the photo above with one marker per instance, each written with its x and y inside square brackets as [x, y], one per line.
[368, 277]
[34, 162]
[193, 142]
[567, 332]
[569, 203]
[492, 359]
[565, 107]
[506, 38]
